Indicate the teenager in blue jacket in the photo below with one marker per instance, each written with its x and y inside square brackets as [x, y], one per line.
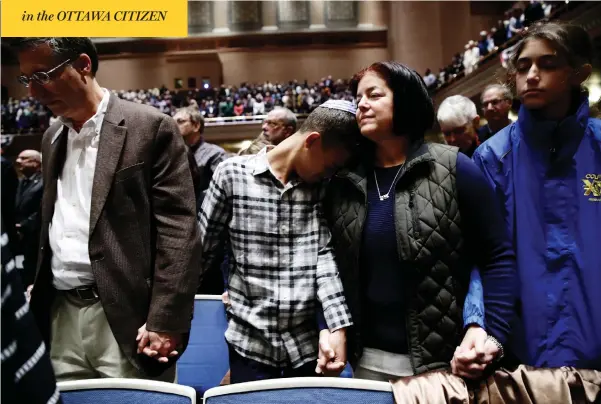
[546, 169]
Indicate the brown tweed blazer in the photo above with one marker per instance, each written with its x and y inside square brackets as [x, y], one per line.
[144, 236]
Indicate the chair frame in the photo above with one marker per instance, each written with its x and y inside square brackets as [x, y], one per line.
[207, 297]
[129, 384]
[299, 383]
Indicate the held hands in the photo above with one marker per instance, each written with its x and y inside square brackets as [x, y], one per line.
[474, 354]
[161, 346]
[332, 352]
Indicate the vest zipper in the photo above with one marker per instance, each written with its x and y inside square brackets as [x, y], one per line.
[414, 214]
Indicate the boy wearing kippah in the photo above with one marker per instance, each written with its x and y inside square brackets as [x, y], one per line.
[268, 207]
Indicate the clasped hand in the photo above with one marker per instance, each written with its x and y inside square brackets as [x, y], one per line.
[474, 354]
[158, 345]
[332, 352]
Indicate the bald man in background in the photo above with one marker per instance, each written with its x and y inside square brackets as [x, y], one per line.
[28, 200]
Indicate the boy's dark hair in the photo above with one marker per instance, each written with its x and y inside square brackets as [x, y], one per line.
[63, 48]
[413, 112]
[337, 128]
[570, 41]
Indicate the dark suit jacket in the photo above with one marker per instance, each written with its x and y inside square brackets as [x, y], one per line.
[9, 185]
[144, 237]
[28, 201]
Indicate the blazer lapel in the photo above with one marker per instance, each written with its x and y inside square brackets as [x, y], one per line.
[112, 138]
[53, 170]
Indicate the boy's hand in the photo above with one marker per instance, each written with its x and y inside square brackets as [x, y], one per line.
[332, 352]
[225, 298]
[474, 354]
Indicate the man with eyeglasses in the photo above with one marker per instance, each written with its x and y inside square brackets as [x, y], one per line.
[118, 261]
[496, 104]
[278, 125]
[207, 155]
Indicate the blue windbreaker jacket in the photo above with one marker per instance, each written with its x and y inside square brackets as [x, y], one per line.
[548, 176]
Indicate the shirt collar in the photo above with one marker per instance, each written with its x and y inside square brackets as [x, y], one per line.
[95, 121]
[565, 134]
[261, 162]
[262, 166]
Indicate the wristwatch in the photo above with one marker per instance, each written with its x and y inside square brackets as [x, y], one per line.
[501, 353]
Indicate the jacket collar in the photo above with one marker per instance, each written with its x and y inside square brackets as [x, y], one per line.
[419, 153]
[563, 136]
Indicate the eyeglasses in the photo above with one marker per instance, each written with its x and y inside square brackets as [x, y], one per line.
[272, 124]
[494, 102]
[40, 77]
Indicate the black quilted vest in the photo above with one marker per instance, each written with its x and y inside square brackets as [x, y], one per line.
[429, 237]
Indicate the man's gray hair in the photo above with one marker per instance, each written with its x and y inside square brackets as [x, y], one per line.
[456, 111]
[194, 115]
[289, 117]
[505, 91]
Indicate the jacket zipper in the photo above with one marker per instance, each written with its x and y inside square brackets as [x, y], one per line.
[407, 298]
[414, 215]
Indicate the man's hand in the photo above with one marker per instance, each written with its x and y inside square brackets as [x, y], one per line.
[225, 298]
[28, 292]
[332, 352]
[474, 354]
[157, 345]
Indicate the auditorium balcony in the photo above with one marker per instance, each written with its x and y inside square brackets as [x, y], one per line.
[490, 69]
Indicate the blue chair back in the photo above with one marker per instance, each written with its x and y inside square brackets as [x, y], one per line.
[321, 390]
[206, 360]
[125, 391]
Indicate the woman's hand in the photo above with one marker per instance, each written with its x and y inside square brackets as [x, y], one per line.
[474, 354]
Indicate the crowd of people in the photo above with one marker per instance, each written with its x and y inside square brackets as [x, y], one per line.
[345, 240]
[515, 20]
[28, 115]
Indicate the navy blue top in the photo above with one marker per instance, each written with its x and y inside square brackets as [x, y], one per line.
[487, 244]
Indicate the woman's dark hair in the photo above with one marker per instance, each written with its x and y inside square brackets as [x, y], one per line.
[413, 112]
[570, 41]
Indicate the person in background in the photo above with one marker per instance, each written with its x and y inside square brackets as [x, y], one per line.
[9, 183]
[27, 375]
[546, 171]
[500, 34]
[409, 223]
[28, 201]
[516, 24]
[459, 121]
[191, 125]
[430, 80]
[279, 124]
[496, 102]
[483, 49]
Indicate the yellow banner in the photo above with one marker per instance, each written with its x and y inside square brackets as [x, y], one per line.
[95, 18]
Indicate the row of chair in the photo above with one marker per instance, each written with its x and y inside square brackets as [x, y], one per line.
[281, 391]
[204, 364]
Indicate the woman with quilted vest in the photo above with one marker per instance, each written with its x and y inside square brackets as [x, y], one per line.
[409, 222]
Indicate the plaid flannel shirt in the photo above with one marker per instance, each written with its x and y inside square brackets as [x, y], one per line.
[281, 261]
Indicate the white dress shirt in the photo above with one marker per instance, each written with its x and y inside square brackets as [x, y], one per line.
[69, 230]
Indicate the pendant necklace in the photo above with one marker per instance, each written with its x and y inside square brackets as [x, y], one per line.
[387, 195]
